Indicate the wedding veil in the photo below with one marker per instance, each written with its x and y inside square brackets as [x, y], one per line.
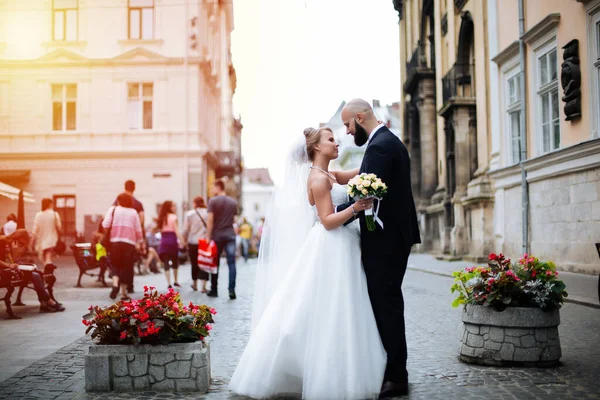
[288, 221]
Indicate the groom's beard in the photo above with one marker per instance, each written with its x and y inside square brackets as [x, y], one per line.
[360, 135]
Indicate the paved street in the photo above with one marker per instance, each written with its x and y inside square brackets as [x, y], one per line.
[51, 348]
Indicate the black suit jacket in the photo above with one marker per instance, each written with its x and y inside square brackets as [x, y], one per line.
[387, 157]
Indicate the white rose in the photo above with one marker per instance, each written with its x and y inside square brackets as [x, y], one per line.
[375, 185]
[384, 186]
[366, 183]
[349, 191]
[359, 187]
[365, 192]
[372, 176]
[359, 182]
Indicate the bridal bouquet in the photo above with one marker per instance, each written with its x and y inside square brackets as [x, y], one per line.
[366, 186]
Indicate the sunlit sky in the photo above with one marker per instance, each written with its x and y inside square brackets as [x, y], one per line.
[296, 60]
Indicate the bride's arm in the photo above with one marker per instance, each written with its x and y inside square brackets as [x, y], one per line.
[342, 177]
[321, 191]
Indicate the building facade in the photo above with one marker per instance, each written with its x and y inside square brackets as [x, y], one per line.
[257, 191]
[545, 137]
[502, 126]
[96, 92]
[444, 111]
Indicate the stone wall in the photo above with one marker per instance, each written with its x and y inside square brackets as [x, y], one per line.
[513, 336]
[565, 220]
[180, 367]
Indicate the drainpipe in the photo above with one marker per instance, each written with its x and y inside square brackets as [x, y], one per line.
[523, 141]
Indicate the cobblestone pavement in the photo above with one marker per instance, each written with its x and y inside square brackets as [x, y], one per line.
[432, 332]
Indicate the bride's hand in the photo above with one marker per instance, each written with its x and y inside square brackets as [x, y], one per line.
[363, 204]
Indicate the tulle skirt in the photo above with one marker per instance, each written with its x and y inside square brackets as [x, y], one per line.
[317, 338]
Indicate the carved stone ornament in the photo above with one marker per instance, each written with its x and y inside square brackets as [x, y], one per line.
[570, 78]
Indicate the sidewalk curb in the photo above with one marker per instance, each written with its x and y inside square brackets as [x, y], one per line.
[567, 300]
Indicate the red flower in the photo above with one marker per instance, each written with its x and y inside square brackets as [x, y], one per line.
[493, 256]
[123, 335]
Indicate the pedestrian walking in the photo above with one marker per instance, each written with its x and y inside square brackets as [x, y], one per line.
[245, 235]
[46, 231]
[194, 229]
[139, 208]
[126, 238]
[170, 240]
[222, 210]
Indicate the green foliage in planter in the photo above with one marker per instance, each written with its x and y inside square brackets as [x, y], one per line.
[154, 319]
[501, 284]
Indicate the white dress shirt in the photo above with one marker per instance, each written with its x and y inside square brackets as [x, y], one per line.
[373, 132]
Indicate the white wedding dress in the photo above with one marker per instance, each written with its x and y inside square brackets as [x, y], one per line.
[317, 337]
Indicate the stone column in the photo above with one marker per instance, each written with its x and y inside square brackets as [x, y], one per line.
[428, 119]
[462, 132]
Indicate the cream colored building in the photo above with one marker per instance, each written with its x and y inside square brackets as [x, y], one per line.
[95, 92]
[560, 144]
[494, 167]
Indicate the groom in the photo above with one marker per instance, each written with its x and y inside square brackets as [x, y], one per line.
[385, 251]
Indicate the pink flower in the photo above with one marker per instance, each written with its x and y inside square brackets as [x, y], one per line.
[213, 311]
[208, 327]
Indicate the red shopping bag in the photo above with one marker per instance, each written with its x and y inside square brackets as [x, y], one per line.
[207, 256]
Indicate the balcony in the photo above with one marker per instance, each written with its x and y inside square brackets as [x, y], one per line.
[416, 68]
[457, 83]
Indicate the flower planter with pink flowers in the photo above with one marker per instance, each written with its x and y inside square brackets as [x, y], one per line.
[155, 343]
[511, 313]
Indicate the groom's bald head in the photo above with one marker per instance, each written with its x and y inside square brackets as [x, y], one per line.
[359, 119]
[356, 106]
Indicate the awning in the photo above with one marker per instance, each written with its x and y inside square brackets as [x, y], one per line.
[13, 193]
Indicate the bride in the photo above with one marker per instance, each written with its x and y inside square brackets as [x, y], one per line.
[314, 333]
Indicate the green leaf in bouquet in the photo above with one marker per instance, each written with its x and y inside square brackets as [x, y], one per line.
[89, 316]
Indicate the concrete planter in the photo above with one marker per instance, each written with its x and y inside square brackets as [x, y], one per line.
[177, 367]
[515, 336]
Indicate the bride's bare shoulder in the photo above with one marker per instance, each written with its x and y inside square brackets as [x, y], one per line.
[318, 183]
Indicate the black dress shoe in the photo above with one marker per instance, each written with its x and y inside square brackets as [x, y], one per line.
[212, 293]
[232, 295]
[393, 389]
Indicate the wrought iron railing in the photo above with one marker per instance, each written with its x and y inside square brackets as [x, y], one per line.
[457, 83]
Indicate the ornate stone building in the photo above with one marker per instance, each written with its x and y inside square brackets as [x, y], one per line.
[95, 92]
[444, 110]
[502, 124]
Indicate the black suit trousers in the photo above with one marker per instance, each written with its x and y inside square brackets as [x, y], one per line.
[385, 273]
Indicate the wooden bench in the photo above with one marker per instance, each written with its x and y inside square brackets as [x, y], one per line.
[10, 280]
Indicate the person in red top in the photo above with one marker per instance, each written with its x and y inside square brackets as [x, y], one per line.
[126, 238]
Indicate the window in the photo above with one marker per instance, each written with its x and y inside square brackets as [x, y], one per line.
[594, 54]
[141, 19]
[139, 105]
[64, 107]
[548, 102]
[64, 19]
[64, 205]
[513, 110]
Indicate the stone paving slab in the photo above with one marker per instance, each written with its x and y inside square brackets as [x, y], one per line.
[432, 333]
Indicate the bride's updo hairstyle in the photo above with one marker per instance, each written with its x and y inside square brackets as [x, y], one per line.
[313, 136]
